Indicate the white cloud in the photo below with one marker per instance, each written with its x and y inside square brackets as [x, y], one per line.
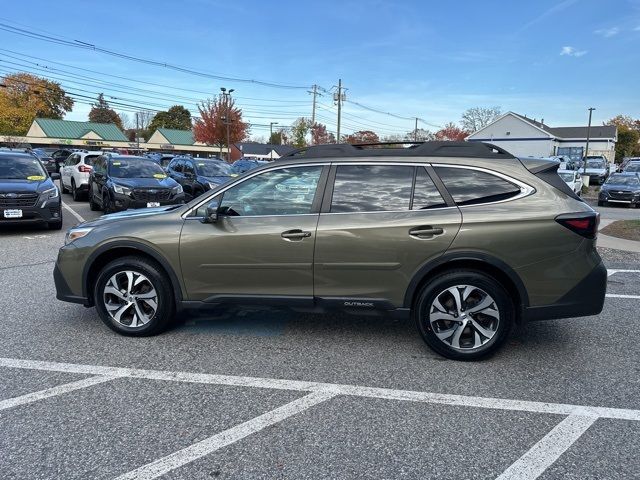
[607, 32]
[572, 52]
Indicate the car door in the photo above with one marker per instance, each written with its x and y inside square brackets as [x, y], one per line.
[378, 225]
[261, 246]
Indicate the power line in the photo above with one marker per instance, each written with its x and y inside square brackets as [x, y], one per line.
[90, 46]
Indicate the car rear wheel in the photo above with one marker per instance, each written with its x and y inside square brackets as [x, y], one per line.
[134, 297]
[464, 314]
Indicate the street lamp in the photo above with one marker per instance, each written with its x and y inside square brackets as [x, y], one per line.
[584, 169]
[227, 120]
[271, 135]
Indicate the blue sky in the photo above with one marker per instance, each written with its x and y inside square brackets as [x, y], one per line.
[433, 60]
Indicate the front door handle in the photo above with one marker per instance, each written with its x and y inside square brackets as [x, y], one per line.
[427, 231]
[296, 234]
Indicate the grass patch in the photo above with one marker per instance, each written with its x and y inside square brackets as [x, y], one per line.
[627, 229]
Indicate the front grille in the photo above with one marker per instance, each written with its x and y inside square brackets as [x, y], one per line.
[151, 195]
[616, 195]
[12, 200]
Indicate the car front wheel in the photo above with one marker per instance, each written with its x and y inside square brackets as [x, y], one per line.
[463, 314]
[134, 297]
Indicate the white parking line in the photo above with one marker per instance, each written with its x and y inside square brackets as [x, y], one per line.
[73, 212]
[542, 455]
[335, 389]
[616, 295]
[53, 391]
[227, 437]
[611, 271]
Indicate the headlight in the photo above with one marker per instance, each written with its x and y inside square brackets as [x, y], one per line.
[121, 189]
[75, 233]
[48, 194]
[177, 190]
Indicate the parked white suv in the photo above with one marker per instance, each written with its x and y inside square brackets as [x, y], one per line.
[573, 179]
[74, 174]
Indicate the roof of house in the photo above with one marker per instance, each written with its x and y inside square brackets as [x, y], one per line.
[177, 137]
[597, 131]
[249, 148]
[75, 130]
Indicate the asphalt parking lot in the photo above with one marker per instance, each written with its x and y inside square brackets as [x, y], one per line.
[275, 394]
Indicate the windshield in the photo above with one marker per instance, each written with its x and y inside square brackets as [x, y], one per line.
[595, 164]
[22, 168]
[630, 180]
[567, 177]
[634, 167]
[135, 169]
[213, 169]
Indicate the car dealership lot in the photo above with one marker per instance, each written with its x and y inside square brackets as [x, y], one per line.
[278, 394]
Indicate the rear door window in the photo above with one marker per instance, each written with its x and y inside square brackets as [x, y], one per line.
[372, 188]
[425, 193]
[472, 187]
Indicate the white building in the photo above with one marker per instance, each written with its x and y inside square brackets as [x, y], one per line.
[525, 137]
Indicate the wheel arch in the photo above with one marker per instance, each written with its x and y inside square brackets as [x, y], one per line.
[488, 264]
[118, 249]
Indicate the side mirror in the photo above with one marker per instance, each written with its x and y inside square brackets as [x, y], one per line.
[211, 212]
[55, 176]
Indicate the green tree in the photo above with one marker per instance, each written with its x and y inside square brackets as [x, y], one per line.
[299, 129]
[628, 136]
[176, 118]
[102, 113]
[275, 138]
[24, 97]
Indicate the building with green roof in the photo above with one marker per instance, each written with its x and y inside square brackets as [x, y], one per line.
[182, 141]
[77, 134]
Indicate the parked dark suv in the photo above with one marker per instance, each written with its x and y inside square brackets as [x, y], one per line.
[464, 237]
[27, 192]
[120, 182]
[198, 175]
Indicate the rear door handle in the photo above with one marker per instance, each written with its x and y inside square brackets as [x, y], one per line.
[425, 231]
[295, 234]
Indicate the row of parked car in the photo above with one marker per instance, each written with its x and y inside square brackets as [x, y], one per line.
[622, 188]
[113, 182]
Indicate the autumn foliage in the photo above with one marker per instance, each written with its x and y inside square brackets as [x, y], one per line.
[211, 127]
[452, 133]
[361, 136]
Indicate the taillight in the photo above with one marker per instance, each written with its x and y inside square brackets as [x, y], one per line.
[584, 224]
[84, 169]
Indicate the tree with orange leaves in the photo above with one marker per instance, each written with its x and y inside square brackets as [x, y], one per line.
[211, 127]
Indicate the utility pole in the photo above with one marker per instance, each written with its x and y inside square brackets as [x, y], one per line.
[271, 124]
[339, 99]
[586, 150]
[415, 131]
[137, 134]
[227, 120]
[313, 110]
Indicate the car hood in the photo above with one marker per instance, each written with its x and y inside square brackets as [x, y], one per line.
[146, 182]
[617, 186]
[598, 171]
[25, 186]
[133, 213]
[219, 179]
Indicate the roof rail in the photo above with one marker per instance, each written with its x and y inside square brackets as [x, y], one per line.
[395, 149]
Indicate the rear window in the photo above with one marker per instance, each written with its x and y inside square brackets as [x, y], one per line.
[89, 159]
[472, 187]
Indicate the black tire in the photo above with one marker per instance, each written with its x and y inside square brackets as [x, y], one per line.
[93, 206]
[601, 203]
[75, 194]
[165, 311]
[106, 203]
[479, 280]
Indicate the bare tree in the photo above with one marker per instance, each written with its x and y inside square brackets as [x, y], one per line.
[144, 119]
[127, 124]
[479, 117]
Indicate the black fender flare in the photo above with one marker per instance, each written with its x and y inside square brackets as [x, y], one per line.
[490, 260]
[157, 256]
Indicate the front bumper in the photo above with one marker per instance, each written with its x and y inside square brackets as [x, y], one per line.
[125, 202]
[586, 298]
[63, 292]
[50, 212]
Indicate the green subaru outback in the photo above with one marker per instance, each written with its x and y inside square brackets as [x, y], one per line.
[463, 237]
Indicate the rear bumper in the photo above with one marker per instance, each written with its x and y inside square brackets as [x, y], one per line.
[586, 298]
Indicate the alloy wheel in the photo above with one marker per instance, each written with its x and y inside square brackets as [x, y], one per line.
[464, 317]
[130, 299]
